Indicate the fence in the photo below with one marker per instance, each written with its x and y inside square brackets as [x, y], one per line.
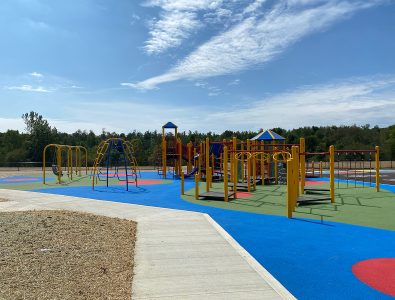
[12, 166]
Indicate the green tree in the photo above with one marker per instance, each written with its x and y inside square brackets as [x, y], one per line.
[40, 134]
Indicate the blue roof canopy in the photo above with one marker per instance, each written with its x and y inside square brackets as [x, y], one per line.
[169, 125]
[268, 135]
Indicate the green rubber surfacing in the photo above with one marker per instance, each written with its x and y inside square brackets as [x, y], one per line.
[353, 205]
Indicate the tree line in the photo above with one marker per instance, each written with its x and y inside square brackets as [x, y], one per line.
[27, 146]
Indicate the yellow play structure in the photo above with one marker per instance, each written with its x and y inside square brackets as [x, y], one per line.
[265, 159]
[115, 158]
[296, 174]
[74, 161]
[241, 165]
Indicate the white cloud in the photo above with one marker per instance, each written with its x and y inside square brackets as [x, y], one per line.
[212, 90]
[200, 84]
[344, 102]
[257, 40]
[359, 101]
[178, 20]
[234, 82]
[173, 5]
[253, 6]
[36, 75]
[356, 100]
[28, 88]
[171, 30]
[38, 83]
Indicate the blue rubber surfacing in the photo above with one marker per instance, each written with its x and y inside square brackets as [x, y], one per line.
[313, 260]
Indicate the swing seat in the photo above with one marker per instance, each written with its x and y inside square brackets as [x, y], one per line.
[56, 171]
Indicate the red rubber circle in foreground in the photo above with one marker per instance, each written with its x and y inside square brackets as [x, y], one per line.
[378, 273]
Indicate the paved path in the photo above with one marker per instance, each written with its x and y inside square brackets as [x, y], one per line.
[179, 254]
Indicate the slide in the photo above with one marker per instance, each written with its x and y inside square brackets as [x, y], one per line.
[192, 173]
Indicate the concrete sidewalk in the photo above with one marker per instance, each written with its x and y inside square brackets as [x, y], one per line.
[179, 254]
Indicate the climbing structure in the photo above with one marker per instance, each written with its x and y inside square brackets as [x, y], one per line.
[115, 158]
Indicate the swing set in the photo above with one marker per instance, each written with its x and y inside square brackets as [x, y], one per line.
[73, 164]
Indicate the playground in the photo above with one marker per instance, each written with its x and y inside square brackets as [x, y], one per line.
[320, 222]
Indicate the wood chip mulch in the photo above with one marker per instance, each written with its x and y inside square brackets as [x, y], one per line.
[65, 255]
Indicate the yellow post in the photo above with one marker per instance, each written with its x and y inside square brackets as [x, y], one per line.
[67, 166]
[80, 161]
[212, 163]
[182, 183]
[70, 153]
[234, 144]
[320, 168]
[211, 176]
[179, 144]
[77, 161]
[164, 162]
[226, 174]
[189, 166]
[295, 156]
[235, 179]
[275, 171]
[242, 162]
[377, 160]
[302, 165]
[200, 158]
[197, 186]
[263, 163]
[207, 157]
[332, 172]
[295, 176]
[289, 188]
[45, 149]
[59, 159]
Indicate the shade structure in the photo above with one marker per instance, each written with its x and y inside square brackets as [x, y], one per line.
[268, 135]
[169, 125]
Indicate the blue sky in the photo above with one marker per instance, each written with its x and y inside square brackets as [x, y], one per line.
[205, 65]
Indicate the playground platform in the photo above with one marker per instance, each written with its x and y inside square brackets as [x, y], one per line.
[179, 254]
